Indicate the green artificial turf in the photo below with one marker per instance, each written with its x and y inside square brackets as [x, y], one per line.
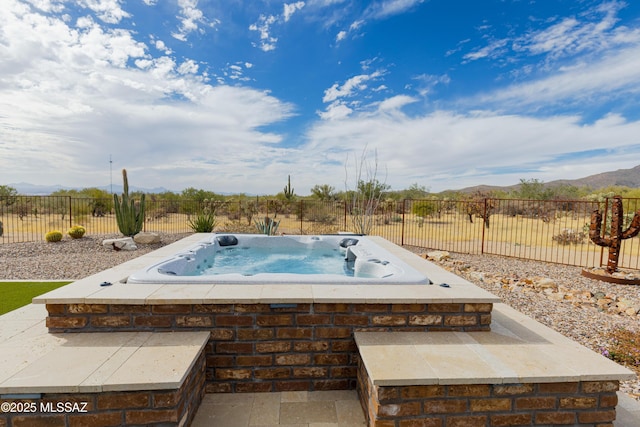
[17, 294]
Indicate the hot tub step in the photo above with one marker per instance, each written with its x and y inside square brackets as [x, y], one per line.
[520, 372]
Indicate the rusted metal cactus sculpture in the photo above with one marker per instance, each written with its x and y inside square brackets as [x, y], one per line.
[614, 240]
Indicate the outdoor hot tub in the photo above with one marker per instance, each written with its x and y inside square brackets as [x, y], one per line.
[256, 258]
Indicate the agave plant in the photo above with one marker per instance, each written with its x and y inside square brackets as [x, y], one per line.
[203, 222]
[268, 226]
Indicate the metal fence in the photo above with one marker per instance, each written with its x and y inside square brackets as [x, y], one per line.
[551, 231]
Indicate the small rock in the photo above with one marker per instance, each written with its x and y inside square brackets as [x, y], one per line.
[557, 296]
[546, 284]
[631, 311]
[146, 238]
[604, 302]
[476, 275]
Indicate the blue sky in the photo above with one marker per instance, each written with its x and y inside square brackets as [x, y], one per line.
[234, 96]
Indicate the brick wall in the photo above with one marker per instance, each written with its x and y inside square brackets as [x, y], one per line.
[157, 407]
[263, 347]
[589, 403]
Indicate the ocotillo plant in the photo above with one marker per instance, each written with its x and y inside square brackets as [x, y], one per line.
[615, 238]
[130, 216]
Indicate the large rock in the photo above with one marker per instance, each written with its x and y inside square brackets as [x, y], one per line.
[146, 238]
[122, 244]
[438, 255]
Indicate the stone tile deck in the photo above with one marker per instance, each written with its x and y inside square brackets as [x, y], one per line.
[339, 408]
[35, 361]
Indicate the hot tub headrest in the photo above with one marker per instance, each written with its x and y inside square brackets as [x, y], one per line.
[345, 243]
[227, 240]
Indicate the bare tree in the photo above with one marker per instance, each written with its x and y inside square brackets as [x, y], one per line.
[364, 200]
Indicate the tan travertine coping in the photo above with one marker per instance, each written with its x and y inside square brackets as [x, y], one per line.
[88, 290]
[518, 349]
[35, 361]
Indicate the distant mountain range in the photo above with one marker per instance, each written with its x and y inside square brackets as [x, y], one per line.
[621, 177]
[26, 189]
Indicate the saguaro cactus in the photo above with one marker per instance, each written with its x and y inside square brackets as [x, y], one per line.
[130, 216]
[288, 191]
[617, 235]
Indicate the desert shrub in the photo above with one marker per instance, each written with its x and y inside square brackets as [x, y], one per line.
[424, 208]
[624, 348]
[53, 236]
[22, 210]
[321, 215]
[569, 237]
[76, 232]
[203, 222]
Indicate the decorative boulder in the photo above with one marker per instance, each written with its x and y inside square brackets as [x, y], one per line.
[438, 255]
[146, 238]
[123, 244]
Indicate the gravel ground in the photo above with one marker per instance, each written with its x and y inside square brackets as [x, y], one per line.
[510, 279]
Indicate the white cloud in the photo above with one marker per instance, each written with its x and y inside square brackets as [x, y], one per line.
[265, 23]
[337, 95]
[613, 76]
[386, 8]
[107, 10]
[48, 6]
[426, 83]
[263, 26]
[592, 32]
[441, 148]
[237, 70]
[355, 83]
[188, 67]
[494, 49]
[291, 8]
[378, 10]
[191, 18]
[69, 92]
[335, 111]
[160, 45]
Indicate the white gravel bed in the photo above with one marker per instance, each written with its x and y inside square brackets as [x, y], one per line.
[506, 278]
[70, 259]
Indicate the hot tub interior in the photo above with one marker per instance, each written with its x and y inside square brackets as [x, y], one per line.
[252, 258]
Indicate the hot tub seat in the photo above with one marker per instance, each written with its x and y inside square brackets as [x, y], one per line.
[519, 371]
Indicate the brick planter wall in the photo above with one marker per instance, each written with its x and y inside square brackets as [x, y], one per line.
[585, 403]
[263, 347]
[156, 407]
